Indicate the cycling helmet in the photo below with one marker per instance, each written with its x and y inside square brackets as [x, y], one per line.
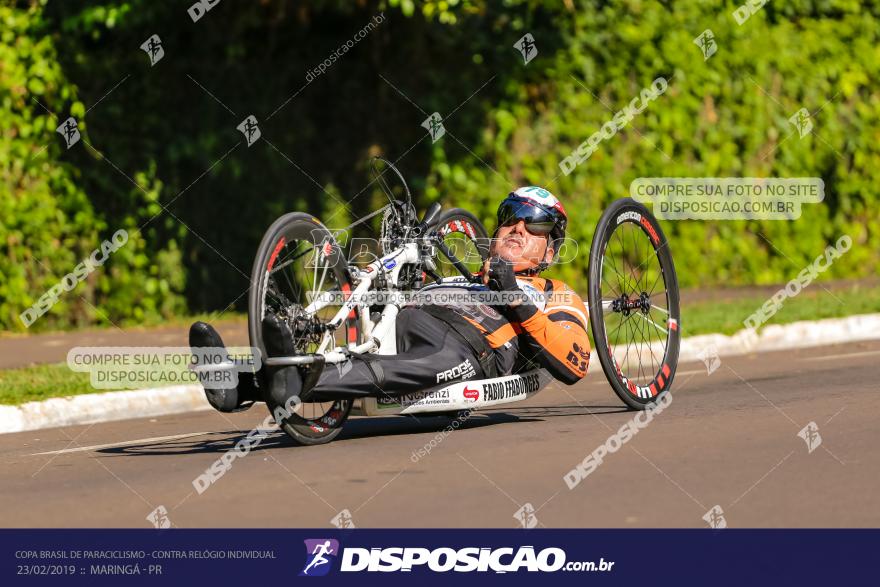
[540, 210]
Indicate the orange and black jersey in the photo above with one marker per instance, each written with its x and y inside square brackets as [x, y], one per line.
[550, 330]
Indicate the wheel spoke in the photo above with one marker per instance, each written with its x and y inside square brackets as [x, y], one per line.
[660, 328]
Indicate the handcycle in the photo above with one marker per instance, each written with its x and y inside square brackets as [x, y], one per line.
[302, 275]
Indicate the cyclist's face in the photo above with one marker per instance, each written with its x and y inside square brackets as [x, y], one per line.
[516, 244]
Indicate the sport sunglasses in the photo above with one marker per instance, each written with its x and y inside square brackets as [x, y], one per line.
[538, 222]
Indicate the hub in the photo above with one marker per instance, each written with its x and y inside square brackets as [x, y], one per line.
[624, 304]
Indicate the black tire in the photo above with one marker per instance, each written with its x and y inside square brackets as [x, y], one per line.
[274, 289]
[466, 237]
[626, 233]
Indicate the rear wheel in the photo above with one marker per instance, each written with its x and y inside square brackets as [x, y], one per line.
[297, 260]
[465, 237]
[634, 303]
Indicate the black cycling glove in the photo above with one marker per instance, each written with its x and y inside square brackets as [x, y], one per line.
[502, 278]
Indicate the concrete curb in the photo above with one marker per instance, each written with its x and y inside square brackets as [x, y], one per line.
[774, 337]
[102, 407]
[123, 405]
[777, 337]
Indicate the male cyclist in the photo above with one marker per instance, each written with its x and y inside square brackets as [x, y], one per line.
[513, 319]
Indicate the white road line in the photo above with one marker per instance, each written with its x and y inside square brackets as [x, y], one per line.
[694, 372]
[840, 356]
[125, 443]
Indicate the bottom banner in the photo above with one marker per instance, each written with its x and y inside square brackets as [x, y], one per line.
[601, 557]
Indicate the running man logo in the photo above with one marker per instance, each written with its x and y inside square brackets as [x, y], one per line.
[153, 48]
[715, 518]
[434, 124]
[526, 516]
[706, 42]
[526, 47]
[802, 121]
[344, 367]
[250, 130]
[70, 131]
[710, 358]
[343, 520]
[159, 518]
[320, 553]
[810, 434]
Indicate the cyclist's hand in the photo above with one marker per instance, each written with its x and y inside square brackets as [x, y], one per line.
[501, 275]
[502, 278]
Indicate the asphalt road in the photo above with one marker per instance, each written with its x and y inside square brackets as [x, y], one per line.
[728, 439]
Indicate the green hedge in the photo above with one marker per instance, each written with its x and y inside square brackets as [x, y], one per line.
[48, 221]
[715, 120]
[727, 116]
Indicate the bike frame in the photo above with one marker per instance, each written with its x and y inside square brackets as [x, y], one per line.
[381, 339]
[379, 333]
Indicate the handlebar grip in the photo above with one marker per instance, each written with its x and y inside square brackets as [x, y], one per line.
[431, 215]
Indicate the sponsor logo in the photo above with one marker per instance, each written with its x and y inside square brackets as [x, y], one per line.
[578, 358]
[320, 553]
[536, 297]
[634, 216]
[510, 388]
[463, 370]
[489, 311]
[389, 265]
[437, 397]
[647, 226]
[471, 394]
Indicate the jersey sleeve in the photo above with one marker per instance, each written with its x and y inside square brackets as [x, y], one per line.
[555, 338]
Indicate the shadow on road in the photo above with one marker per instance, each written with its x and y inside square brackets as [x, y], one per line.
[360, 427]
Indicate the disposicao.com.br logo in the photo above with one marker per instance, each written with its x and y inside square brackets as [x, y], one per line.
[442, 560]
[320, 554]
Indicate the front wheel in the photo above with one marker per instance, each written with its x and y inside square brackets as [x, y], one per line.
[634, 303]
[465, 237]
[297, 260]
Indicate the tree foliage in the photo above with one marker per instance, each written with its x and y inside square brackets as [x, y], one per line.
[161, 155]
